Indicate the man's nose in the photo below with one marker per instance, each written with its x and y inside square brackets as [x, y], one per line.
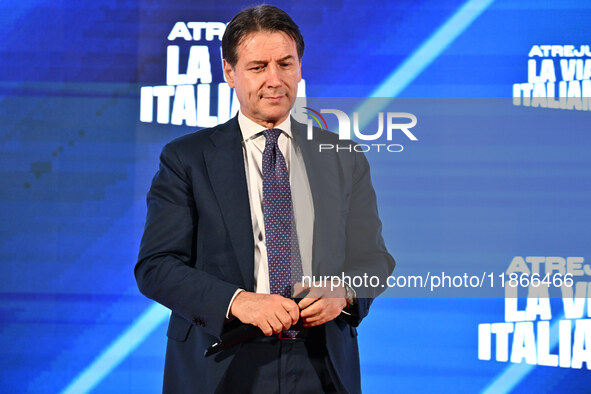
[273, 76]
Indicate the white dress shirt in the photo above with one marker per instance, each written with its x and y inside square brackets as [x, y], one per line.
[253, 145]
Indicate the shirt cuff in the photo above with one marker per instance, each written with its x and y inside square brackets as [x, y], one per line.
[238, 291]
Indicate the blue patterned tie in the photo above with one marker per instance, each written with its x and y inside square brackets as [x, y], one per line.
[283, 251]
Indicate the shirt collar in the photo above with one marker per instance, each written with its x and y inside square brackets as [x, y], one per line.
[250, 129]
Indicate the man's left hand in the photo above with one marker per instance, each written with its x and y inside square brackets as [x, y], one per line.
[322, 304]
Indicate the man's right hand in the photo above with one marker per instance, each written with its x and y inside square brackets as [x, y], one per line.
[271, 313]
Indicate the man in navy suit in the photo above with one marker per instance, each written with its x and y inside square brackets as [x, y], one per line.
[205, 253]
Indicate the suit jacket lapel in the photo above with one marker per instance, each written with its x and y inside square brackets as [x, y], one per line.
[225, 166]
[324, 175]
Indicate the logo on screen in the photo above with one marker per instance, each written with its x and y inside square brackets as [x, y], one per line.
[558, 76]
[547, 313]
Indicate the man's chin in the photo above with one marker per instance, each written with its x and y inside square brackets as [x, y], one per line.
[276, 117]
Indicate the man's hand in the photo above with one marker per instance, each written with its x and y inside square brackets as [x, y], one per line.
[322, 305]
[271, 313]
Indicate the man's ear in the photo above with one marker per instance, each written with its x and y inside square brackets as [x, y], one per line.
[228, 73]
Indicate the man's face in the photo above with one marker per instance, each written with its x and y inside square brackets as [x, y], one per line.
[265, 76]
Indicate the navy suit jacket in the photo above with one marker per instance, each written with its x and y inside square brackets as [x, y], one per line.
[198, 246]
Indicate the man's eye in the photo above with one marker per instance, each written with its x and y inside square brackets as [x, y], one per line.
[256, 68]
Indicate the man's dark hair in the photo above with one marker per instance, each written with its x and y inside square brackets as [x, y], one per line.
[265, 18]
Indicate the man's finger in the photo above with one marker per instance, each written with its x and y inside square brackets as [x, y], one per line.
[306, 302]
[266, 329]
[313, 309]
[315, 321]
[276, 324]
[294, 312]
[284, 318]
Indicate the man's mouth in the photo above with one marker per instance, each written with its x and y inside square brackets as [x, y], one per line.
[273, 98]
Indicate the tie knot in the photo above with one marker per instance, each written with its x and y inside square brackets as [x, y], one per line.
[272, 135]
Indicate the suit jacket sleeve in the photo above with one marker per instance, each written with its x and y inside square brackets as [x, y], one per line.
[165, 269]
[366, 253]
